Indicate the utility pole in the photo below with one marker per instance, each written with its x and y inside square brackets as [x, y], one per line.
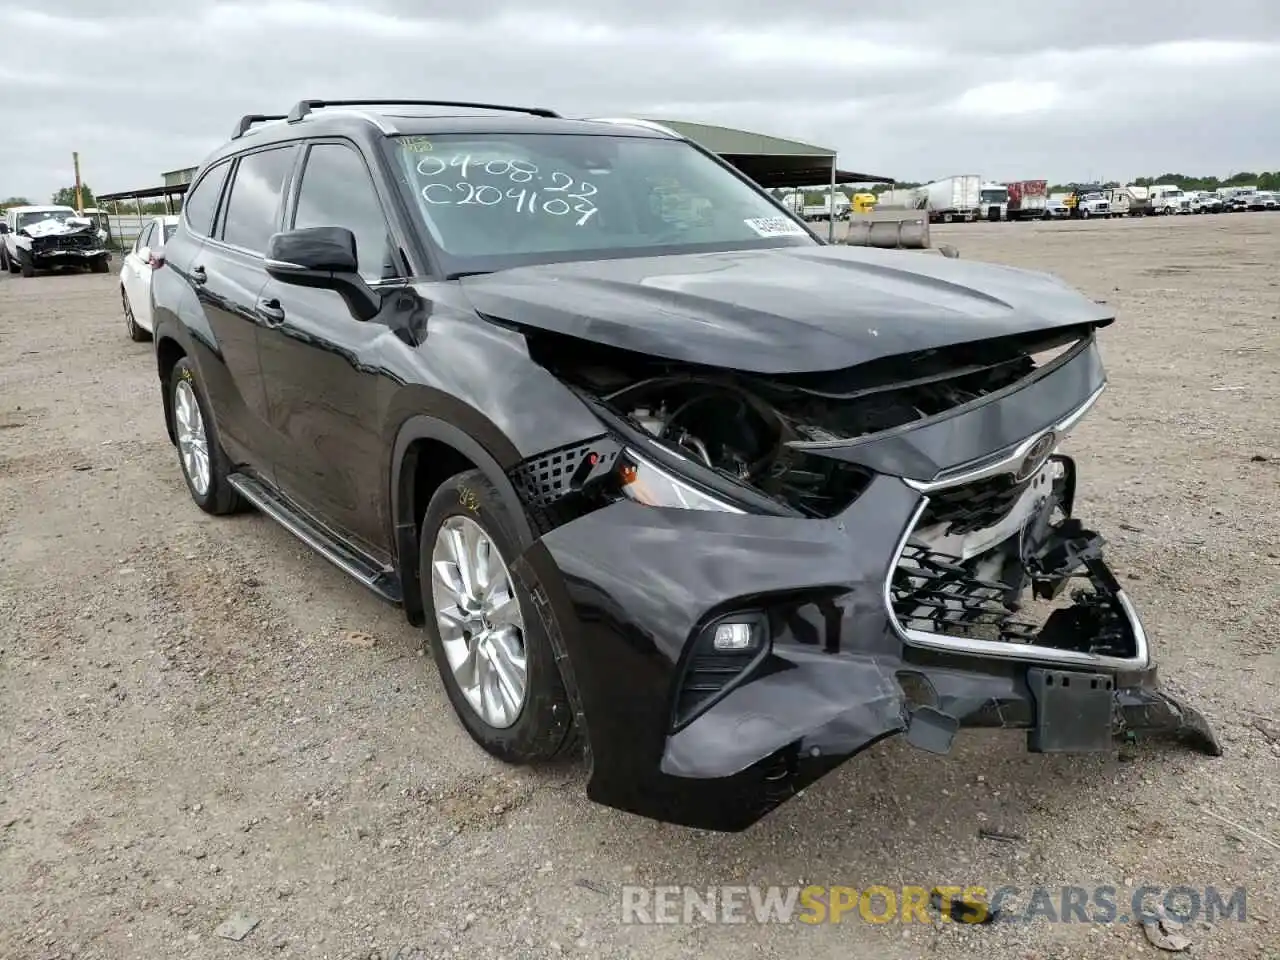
[75, 159]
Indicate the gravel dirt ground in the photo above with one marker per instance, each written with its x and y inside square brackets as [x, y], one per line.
[201, 718]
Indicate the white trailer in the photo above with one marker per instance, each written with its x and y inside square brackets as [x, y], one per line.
[1129, 201]
[903, 198]
[835, 206]
[794, 201]
[954, 198]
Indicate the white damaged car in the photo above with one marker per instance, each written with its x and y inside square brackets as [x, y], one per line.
[44, 238]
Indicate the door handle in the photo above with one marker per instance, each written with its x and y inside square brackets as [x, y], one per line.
[271, 311]
[198, 275]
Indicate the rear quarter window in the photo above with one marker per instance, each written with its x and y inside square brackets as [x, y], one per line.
[202, 199]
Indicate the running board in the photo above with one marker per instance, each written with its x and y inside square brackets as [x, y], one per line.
[380, 579]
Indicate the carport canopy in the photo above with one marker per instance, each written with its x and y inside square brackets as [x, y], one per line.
[171, 193]
[770, 161]
[146, 193]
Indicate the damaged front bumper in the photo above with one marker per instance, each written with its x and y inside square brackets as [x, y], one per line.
[907, 613]
[50, 257]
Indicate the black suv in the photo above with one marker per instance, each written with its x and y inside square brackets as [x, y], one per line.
[658, 471]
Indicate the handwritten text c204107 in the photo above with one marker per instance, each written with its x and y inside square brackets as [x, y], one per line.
[557, 194]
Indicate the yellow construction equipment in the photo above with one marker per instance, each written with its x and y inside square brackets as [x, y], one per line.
[862, 203]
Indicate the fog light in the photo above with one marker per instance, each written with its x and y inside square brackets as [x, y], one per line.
[734, 637]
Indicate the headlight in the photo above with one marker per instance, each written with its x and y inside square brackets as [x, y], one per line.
[646, 483]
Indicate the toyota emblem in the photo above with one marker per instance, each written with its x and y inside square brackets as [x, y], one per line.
[1036, 457]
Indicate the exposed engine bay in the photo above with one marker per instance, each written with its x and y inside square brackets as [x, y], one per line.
[767, 432]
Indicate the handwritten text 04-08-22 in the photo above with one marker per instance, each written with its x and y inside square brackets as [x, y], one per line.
[552, 194]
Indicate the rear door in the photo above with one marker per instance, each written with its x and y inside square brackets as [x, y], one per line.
[323, 402]
[229, 274]
[131, 274]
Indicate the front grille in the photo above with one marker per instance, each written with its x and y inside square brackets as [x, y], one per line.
[973, 506]
[939, 594]
[936, 593]
[82, 241]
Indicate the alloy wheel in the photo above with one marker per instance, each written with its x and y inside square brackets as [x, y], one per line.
[193, 442]
[480, 622]
[130, 323]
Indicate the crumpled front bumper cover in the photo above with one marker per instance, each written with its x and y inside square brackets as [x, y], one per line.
[60, 257]
[623, 589]
[629, 594]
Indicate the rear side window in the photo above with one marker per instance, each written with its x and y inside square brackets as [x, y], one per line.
[337, 191]
[253, 208]
[202, 200]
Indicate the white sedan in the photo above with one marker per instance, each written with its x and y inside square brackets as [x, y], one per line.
[135, 274]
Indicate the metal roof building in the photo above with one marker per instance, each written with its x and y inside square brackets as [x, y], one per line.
[770, 161]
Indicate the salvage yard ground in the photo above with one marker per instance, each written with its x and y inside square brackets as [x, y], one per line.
[202, 718]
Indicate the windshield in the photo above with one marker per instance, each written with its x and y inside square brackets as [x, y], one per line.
[39, 216]
[995, 196]
[500, 200]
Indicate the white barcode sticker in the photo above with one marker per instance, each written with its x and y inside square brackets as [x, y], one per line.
[775, 227]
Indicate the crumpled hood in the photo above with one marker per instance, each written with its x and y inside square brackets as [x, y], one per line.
[782, 310]
[58, 226]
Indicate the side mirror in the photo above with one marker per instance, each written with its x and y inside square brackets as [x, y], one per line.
[323, 258]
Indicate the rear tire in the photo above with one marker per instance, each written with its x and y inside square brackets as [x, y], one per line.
[136, 333]
[464, 515]
[203, 462]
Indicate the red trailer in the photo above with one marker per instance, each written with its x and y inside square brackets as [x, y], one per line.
[1029, 200]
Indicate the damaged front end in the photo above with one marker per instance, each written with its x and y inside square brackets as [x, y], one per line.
[64, 242]
[750, 578]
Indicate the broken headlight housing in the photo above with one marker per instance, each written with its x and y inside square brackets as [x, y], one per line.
[645, 482]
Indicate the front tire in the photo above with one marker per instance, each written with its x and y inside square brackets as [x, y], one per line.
[99, 265]
[204, 464]
[136, 333]
[487, 638]
[25, 264]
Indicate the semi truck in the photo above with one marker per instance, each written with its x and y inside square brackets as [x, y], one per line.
[993, 201]
[1169, 198]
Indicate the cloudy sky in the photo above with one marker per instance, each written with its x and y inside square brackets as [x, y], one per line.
[1009, 89]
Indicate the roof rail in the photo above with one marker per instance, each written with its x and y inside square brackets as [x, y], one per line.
[304, 107]
[637, 122]
[249, 119]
